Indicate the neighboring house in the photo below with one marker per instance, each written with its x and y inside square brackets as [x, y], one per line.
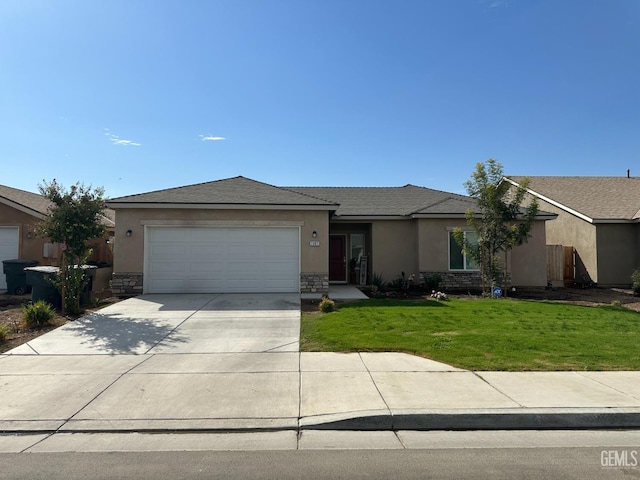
[240, 235]
[599, 217]
[20, 212]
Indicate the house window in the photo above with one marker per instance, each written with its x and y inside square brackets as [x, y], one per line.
[458, 260]
[357, 248]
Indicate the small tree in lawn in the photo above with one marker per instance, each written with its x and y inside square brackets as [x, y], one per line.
[73, 220]
[502, 223]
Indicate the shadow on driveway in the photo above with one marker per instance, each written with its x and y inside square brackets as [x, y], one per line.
[115, 334]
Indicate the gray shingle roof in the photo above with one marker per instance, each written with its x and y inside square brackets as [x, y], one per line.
[230, 191]
[598, 198]
[34, 202]
[349, 201]
[391, 201]
[38, 205]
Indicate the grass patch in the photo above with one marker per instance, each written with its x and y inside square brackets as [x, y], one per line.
[483, 334]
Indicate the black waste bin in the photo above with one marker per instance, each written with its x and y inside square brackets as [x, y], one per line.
[16, 276]
[89, 275]
[42, 289]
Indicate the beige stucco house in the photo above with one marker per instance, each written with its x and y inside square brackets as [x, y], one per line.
[240, 235]
[599, 217]
[20, 212]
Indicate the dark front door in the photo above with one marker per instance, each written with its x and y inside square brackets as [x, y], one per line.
[337, 258]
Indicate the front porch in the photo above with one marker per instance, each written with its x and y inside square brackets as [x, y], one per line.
[337, 292]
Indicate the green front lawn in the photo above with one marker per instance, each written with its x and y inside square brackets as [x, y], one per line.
[483, 334]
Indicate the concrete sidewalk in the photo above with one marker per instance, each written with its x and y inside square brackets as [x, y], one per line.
[306, 391]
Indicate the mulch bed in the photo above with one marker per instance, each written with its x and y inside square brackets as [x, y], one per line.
[17, 333]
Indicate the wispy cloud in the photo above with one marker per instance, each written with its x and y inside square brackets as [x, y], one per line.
[499, 3]
[211, 138]
[116, 140]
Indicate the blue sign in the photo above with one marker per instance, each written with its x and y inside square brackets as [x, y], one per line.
[497, 292]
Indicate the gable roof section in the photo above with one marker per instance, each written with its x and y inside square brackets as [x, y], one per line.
[38, 206]
[27, 202]
[236, 192]
[594, 199]
[407, 201]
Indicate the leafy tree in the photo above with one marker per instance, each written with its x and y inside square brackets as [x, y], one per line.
[73, 220]
[502, 223]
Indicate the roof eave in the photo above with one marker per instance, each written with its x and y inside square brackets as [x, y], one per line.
[352, 218]
[552, 202]
[439, 215]
[22, 208]
[616, 220]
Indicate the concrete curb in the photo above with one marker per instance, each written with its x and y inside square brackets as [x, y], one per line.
[492, 419]
[499, 419]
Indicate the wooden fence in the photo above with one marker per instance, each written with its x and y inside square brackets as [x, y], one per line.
[560, 265]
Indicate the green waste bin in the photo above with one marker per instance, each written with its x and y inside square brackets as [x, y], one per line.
[16, 276]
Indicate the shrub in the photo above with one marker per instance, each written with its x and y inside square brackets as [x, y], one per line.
[378, 280]
[327, 305]
[635, 278]
[432, 281]
[38, 314]
[3, 333]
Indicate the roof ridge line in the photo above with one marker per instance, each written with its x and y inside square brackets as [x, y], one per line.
[289, 189]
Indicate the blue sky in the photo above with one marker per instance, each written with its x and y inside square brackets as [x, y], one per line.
[139, 95]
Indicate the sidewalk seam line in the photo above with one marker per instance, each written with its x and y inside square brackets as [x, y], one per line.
[497, 389]
[608, 386]
[102, 391]
[298, 430]
[378, 390]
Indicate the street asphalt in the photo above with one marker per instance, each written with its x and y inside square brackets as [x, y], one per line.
[231, 363]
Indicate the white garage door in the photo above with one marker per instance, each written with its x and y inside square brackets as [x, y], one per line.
[8, 249]
[221, 260]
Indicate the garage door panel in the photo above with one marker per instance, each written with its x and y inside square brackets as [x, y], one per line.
[168, 267]
[169, 249]
[168, 235]
[205, 251]
[219, 260]
[9, 240]
[167, 285]
[206, 235]
[208, 267]
[247, 250]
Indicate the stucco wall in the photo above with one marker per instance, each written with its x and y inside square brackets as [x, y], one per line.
[129, 251]
[618, 253]
[394, 248]
[433, 242]
[29, 248]
[529, 261]
[572, 231]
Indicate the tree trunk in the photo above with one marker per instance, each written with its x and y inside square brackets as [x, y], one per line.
[63, 283]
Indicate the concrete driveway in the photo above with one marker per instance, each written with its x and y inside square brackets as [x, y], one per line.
[158, 362]
[197, 323]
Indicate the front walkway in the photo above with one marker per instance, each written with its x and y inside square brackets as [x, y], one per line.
[338, 292]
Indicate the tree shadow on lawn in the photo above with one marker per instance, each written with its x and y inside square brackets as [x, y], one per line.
[115, 334]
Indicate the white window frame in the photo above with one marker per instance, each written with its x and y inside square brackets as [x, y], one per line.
[465, 259]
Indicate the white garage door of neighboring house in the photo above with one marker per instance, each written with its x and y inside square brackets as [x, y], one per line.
[222, 259]
[8, 249]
